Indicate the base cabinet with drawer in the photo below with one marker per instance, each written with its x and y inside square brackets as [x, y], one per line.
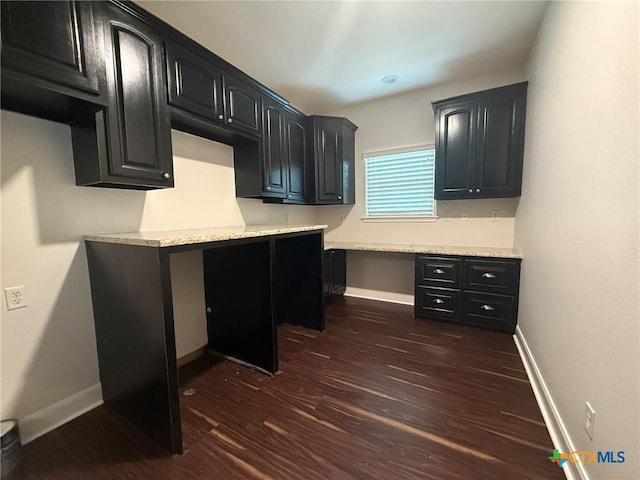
[476, 291]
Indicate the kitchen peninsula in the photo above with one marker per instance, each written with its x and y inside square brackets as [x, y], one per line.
[255, 277]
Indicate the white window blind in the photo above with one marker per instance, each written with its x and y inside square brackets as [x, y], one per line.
[400, 184]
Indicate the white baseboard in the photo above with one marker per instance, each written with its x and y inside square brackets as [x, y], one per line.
[559, 434]
[45, 420]
[402, 298]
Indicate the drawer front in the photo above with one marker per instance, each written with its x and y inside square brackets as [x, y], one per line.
[437, 301]
[492, 276]
[491, 311]
[438, 271]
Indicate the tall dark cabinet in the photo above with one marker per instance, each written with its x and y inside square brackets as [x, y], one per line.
[480, 143]
[334, 149]
[132, 144]
[297, 134]
[274, 169]
[286, 157]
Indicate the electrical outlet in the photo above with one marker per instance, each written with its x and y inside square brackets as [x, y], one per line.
[464, 216]
[495, 215]
[589, 419]
[15, 297]
[341, 218]
[286, 218]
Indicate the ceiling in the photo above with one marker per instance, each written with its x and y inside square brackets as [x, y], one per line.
[323, 55]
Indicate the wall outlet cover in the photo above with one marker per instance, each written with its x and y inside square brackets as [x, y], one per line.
[589, 419]
[15, 297]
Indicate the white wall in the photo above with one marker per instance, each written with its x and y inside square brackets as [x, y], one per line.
[401, 121]
[577, 224]
[48, 359]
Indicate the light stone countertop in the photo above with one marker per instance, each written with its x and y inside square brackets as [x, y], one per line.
[430, 249]
[172, 238]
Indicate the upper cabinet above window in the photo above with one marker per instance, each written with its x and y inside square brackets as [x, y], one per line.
[480, 143]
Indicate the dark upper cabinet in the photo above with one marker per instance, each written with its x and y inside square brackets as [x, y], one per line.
[200, 86]
[50, 59]
[53, 41]
[480, 143]
[334, 152]
[281, 172]
[241, 105]
[274, 169]
[456, 147]
[297, 138]
[135, 129]
[194, 84]
[122, 79]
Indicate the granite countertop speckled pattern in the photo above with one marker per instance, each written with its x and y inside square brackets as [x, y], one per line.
[172, 238]
[431, 249]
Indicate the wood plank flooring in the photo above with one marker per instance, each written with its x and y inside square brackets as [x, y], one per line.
[378, 395]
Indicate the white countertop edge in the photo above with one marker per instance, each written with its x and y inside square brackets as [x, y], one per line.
[173, 238]
[494, 252]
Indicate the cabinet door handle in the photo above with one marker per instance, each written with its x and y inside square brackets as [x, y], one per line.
[268, 188]
[471, 190]
[439, 301]
[339, 197]
[488, 308]
[488, 275]
[220, 117]
[208, 309]
[477, 190]
[230, 120]
[438, 271]
[166, 175]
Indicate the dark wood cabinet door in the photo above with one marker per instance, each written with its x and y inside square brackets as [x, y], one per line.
[297, 151]
[338, 271]
[241, 105]
[194, 84]
[334, 272]
[500, 142]
[455, 151]
[139, 123]
[327, 282]
[53, 41]
[328, 156]
[480, 143]
[274, 173]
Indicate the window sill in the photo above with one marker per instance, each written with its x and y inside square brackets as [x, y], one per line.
[416, 219]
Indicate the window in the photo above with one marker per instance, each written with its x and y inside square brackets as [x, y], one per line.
[400, 183]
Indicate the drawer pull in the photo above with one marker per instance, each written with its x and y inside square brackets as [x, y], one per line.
[488, 275]
[439, 301]
[439, 271]
[486, 307]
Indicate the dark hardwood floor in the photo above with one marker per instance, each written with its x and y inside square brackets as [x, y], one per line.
[378, 395]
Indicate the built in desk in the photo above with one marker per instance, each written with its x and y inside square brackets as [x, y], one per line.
[255, 277]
